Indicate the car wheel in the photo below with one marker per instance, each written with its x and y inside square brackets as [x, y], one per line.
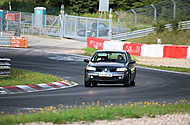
[128, 83]
[87, 84]
[133, 82]
[95, 84]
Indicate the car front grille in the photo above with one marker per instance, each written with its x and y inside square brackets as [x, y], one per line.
[106, 78]
[100, 69]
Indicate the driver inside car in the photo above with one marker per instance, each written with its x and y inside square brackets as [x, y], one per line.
[120, 58]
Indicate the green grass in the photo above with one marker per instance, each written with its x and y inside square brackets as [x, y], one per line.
[24, 77]
[174, 37]
[96, 112]
[90, 51]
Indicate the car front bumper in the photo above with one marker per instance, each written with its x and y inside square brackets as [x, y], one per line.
[114, 77]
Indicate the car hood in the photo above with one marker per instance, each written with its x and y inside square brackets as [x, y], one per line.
[106, 64]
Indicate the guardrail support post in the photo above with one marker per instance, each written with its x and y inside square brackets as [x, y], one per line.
[135, 17]
[155, 12]
[110, 24]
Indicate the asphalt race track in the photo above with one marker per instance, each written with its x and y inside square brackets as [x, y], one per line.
[151, 85]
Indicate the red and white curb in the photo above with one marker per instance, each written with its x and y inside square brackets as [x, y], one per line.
[36, 88]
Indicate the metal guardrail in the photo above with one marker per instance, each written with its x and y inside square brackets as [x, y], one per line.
[5, 41]
[5, 67]
[169, 27]
[139, 33]
[185, 25]
[133, 34]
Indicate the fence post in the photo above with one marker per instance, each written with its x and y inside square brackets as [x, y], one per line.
[64, 21]
[7, 28]
[174, 9]
[110, 24]
[155, 12]
[135, 17]
[86, 35]
[20, 27]
[62, 25]
[97, 31]
[118, 21]
[76, 20]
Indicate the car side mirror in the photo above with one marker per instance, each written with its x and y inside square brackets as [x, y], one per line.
[132, 62]
[86, 60]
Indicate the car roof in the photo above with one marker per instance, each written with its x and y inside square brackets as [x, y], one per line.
[111, 51]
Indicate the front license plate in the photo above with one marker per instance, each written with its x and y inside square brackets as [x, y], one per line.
[104, 74]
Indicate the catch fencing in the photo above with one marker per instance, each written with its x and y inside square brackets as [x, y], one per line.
[60, 26]
[184, 25]
[5, 41]
[82, 27]
[144, 17]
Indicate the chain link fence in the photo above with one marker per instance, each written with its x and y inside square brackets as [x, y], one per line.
[145, 17]
[83, 27]
[16, 23]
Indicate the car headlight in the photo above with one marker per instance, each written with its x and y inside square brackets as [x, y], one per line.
[90, 68]
[121, 69]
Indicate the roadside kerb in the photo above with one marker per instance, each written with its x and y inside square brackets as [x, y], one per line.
[36, 88]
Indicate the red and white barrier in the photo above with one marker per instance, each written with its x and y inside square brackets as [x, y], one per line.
[133, 48]
[188, 52]
[139, 49]
[96, 43]
[174, 51]
[152, 50]
[113, 45]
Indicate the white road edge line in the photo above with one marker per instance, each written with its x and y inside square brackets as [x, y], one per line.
[163, 70]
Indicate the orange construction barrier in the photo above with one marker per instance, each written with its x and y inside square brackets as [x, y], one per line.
[20, 42]
[10, 17]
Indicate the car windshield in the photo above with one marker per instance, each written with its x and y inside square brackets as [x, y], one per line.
[118, 57]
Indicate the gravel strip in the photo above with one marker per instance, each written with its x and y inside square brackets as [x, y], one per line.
[174, 119]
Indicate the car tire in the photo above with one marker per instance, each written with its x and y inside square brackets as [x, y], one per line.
[128, 83]
[87, 84]
[133, 82]
[95, 84]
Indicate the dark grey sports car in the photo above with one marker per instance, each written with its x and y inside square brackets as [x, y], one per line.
[110, 67]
